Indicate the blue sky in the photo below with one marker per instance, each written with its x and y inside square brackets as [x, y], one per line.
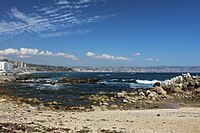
[101, 32]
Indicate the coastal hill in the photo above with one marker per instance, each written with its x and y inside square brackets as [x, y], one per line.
[42, 68]
[164, 69]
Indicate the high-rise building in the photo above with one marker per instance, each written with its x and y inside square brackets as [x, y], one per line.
[6, 67]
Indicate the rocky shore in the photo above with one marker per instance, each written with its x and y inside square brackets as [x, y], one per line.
[179, 91]
[175, 93]
[29, 78]
[183, 90]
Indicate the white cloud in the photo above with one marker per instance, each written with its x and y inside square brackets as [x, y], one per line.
[60, 54]
[107, 57]
[136, 54]
[25, 56]
[84, 1]
[28, 53]
[73, 57]
[148, 59]
[9, 51]
[45, 53]
[62, 2]
[151, 59]
[90, 54]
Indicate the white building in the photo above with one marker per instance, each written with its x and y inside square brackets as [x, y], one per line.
[6, 67]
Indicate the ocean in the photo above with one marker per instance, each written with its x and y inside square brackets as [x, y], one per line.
[70, 94]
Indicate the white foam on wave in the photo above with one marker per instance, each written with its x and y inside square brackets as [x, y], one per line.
[127, 80]
[111, 80]
[48, 86]
[147, 81]
[104, 82]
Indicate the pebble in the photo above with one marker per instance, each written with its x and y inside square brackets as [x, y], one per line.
[2, 100]
[141, 94]
[125, 101]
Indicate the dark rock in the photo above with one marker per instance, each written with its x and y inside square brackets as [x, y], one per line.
[75, 81]
[157, 84]
[29, 76]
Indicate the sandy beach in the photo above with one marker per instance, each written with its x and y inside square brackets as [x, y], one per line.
[28, 119]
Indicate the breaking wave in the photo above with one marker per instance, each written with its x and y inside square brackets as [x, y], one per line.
[147, 81]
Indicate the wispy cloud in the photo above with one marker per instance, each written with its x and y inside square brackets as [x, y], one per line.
[56, 17]
[29, 52]
[66, 33]
[21, 23]
[107, 57]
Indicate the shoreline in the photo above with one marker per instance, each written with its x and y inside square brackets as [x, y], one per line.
[26, 118]
[140, 110]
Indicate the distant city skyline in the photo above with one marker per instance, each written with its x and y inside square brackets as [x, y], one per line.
[101, 32]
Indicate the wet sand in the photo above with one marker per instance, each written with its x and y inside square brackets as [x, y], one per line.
[27, 118]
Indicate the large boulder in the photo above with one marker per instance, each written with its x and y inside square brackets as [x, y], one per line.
[187, 76]
[159, 90]
[184, 82]
[157, 84]
[169, 84]
[177, 89]
[197, 91]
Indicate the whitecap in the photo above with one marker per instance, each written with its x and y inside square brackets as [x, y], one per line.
[147, 81]
[104, 82]
[111, 80]
[127, 80]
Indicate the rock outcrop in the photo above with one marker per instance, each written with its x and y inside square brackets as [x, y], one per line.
[82, 80]
[182, 84]
[7, 79]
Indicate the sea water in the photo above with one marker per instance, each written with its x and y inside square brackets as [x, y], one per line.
[69, 94]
